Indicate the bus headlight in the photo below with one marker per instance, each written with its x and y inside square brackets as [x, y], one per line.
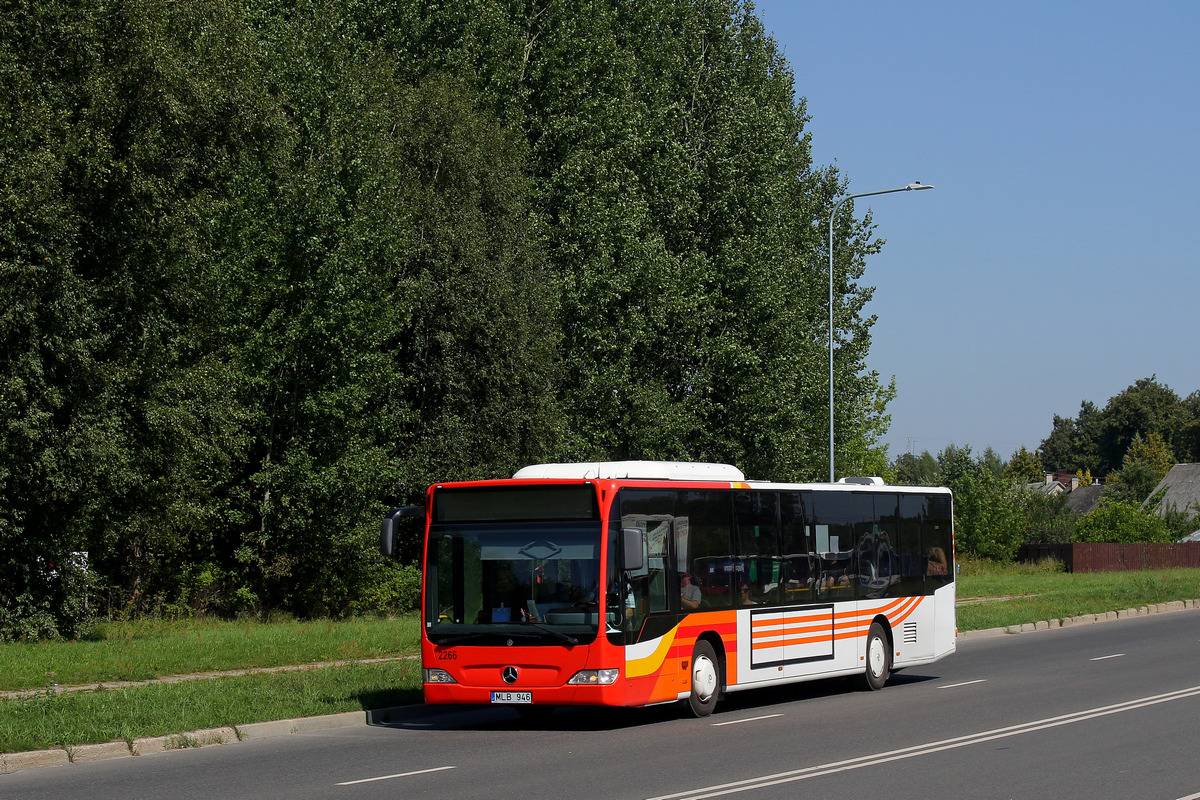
[438, 676]
[594, 677]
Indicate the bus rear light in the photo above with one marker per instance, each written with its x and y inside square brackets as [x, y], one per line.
[594, 677]
[438, 676]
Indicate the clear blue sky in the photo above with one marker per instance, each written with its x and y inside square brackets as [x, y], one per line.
[1056, 259]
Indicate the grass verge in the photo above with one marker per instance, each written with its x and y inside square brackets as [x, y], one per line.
[50, 720]
[1016, 594]
[145, 649]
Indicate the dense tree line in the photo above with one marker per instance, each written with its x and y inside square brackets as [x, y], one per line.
[996, 510]
[270, 266]
[1098, 439]
[1130, 445]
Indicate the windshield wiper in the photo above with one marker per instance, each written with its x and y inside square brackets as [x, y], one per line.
[556, 634]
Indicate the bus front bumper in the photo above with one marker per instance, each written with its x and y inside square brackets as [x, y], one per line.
[451, 693]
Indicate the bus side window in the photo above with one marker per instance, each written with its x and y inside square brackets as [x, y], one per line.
[936, 544]
[758, 564]
[831, 522]
[887, 557]
[912, 558]
[800, 570]
[713, 565]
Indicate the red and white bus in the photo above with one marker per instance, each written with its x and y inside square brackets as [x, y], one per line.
[637, 582]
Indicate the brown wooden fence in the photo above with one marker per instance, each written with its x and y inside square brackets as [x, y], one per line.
[1114, 557]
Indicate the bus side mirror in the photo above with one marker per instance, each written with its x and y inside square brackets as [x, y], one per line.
[632, 540]
[390, 527]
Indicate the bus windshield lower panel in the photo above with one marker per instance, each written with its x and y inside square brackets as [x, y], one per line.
[536, 583]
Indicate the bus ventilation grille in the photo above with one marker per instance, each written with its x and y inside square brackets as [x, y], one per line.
[910, 633]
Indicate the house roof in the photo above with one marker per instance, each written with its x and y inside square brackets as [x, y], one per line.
[1085, 499]
[1180, 490]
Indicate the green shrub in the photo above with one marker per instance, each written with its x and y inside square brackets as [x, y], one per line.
[1122, 521]
[27, 620]
[1047, 517]
[971, 566]
[56, 602]
[390, 589]
[1180, 523]
[988, 517]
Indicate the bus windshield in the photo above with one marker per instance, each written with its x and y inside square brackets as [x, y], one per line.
[490, 577]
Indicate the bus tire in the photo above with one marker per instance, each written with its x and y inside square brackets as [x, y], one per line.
[879, 659]
[706, 679]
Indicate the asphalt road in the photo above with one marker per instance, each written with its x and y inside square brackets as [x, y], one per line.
[1101, 711]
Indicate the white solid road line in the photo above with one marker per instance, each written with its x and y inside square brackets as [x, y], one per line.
[964, 683]
[740, 721]
[764, 781]
[1105, 658]
[390, 777]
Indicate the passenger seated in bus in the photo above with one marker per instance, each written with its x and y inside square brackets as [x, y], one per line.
[835, 579]
[937, 561]
[746, 599]
[689, 593]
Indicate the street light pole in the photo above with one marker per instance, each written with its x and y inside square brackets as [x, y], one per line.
[832, 215]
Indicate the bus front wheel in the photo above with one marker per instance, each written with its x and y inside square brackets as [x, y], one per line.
[879, 660]
[706, 679]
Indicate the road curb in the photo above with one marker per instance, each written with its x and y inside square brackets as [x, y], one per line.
[83, 753]
[153, 745]
[87, 753]
[1083, 619]
[13, 762]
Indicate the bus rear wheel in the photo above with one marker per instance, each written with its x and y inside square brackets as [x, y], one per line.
[879, 659]
[706, 680]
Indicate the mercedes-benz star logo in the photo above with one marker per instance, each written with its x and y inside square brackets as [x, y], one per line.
[509, 674]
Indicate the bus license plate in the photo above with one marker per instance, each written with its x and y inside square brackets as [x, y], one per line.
[512, 697]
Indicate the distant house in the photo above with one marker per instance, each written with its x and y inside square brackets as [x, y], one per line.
[1050, 488]
[1179, 490]
[1068, 479]
[1080, 499]
[1085, 499]
[1055, 483]
[1051, 485]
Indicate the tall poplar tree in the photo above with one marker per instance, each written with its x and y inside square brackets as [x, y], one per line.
[267, 267]
[675, 173]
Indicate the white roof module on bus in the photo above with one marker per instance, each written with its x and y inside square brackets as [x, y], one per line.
[635, 470]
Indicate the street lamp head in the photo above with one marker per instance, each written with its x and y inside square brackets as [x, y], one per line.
[918, 185]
